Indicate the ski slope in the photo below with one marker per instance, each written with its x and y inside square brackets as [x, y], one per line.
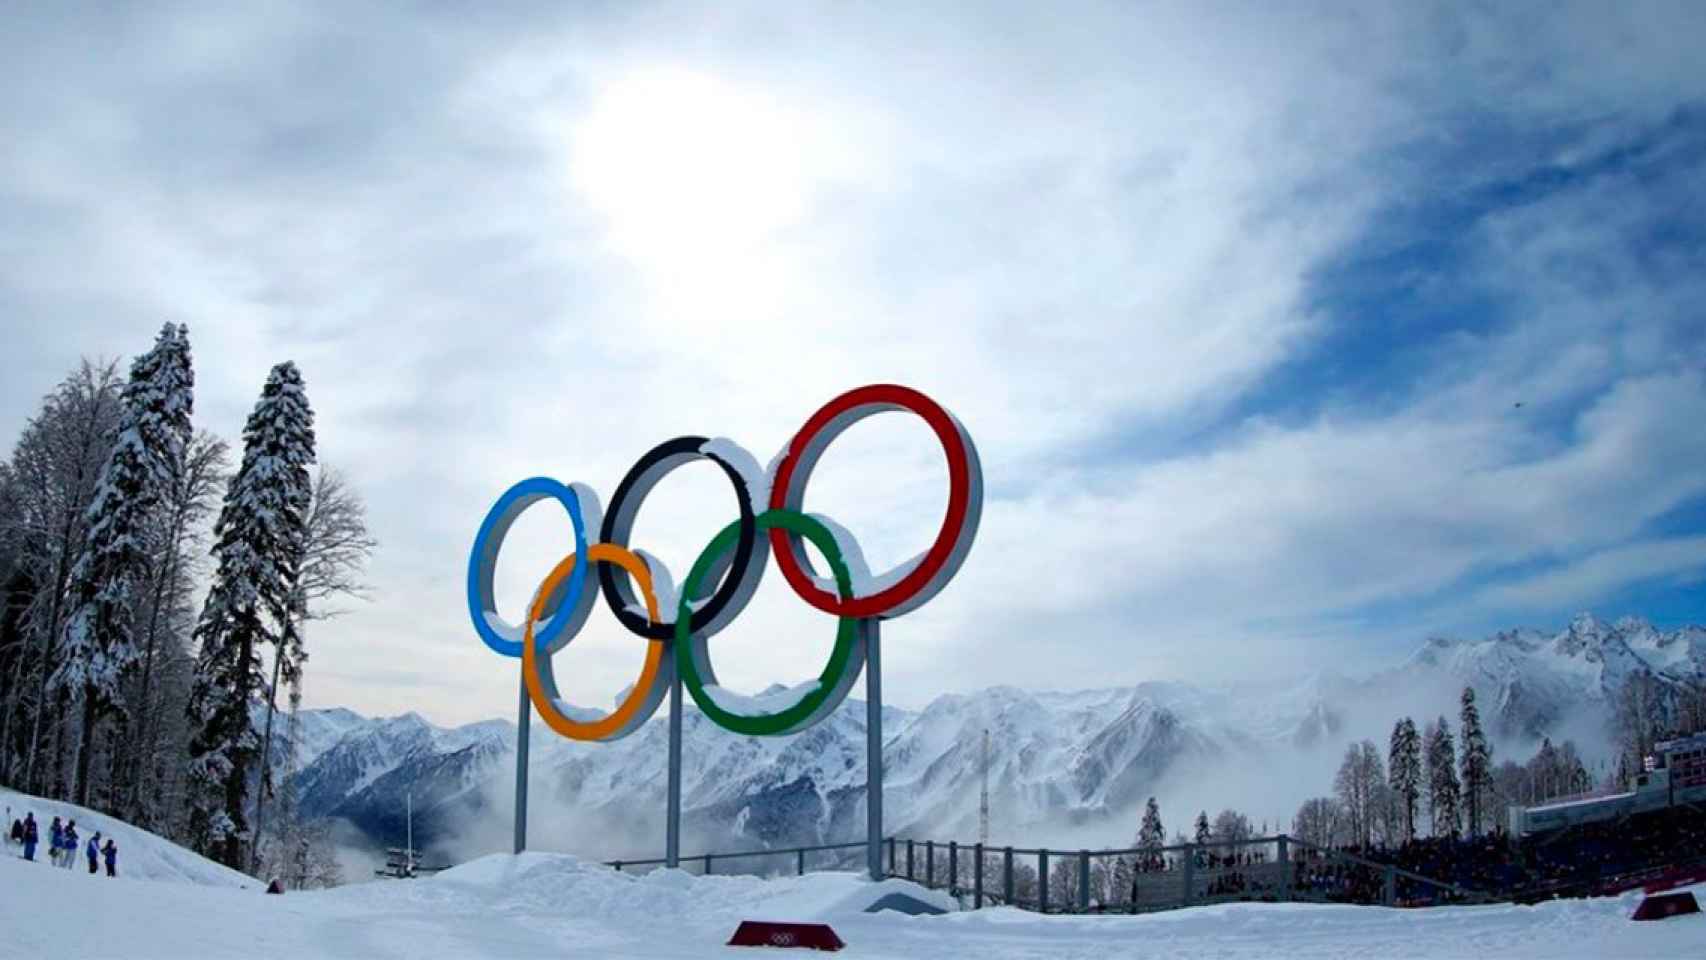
[552, 905]
[141, 855]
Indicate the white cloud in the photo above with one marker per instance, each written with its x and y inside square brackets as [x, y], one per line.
[1080, 233]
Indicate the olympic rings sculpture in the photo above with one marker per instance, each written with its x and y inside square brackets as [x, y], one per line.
[676, 626]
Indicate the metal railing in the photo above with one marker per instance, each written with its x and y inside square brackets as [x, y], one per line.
[845, 856]
[1135, 880]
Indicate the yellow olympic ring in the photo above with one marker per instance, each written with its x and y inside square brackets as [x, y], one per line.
[632, 707]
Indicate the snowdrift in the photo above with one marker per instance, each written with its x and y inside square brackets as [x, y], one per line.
[551, 905]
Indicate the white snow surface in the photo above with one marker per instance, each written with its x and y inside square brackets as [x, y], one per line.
[755, 478]
[553, 905]
[141, 855]
[771, 701]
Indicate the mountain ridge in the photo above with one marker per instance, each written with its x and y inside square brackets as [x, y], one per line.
[1084, 758]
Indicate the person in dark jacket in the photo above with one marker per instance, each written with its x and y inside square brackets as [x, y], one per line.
[17, 831]
[31, 837]
[94, 852]
[110, 851]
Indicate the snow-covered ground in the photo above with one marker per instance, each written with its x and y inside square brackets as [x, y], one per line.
[551, 905]
[141, 855]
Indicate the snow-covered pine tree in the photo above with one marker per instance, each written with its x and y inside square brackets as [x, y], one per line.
[259, 552]
[100, 647]
[1444, 790]
[1477, 763]
[1122, 882]
[1151, 836]
[1404, 773]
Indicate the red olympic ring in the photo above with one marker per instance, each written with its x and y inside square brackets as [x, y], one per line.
[953, 540]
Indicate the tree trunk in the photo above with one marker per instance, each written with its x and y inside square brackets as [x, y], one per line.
[7, 754]
[87, 745]
[235, 784]
[266, 763]
[60, 789]
[143, 749]
[48, 641]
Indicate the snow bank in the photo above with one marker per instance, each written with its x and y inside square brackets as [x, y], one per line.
[551, 905]
[141, 854]
[712, 902]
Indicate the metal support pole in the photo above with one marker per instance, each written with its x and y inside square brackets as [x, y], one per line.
[873, 747]
[1190, 875]
[672, 826]
[1391, 886]
[1285, 868]
[1083, 881]
[801, 863]
[1042, 881]
[707, 864]
[930, 864]
[1007, 875]
[891, 856]
[977, 877]
[524, 715]
[953, 865]
[909, 858]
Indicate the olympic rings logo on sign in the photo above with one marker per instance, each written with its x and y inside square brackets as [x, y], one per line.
[676, 627]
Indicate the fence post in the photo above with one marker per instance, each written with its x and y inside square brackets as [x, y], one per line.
[930, 864]
[953, 865]
[1042, 881]
[1190, 875]
[1083, 881]
[707, 864]
[909, 858]
[802, 861]
[1391, 891]
[977, 877]
[1007, 875]
[1285, 868]
[891, 856]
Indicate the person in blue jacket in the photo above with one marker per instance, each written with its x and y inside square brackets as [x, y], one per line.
[94, 852]
[55, 841]
[110, 851]
[70, 852]
[31, 837]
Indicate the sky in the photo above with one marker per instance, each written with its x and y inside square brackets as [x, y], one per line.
[1289, 335]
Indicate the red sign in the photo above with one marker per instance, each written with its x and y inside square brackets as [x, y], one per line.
[765, 933]
[1663, 906]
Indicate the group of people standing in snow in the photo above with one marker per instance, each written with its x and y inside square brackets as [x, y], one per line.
[62, 841]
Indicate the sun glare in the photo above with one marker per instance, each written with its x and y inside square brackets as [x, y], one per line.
[687, 168]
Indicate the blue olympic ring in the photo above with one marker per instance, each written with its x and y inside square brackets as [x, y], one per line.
[505, 638]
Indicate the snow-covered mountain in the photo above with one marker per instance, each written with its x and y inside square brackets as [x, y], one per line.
[1530, 683]
[1074, 758]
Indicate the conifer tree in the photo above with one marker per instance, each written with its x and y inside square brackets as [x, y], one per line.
[153, 430]
[1444, 790]
[1477, 763]
[259, 542]
[1204, 834]
[1404, 772]
[1151, 836]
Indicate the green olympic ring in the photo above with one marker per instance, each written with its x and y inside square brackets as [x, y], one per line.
[692, 656]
